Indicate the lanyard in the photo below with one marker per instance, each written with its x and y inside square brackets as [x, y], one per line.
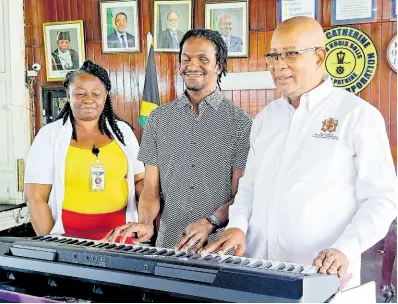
[95, 151]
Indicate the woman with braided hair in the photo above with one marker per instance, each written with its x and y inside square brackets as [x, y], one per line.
[82, 174]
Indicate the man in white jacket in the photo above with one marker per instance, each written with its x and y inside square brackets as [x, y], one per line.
[320, 185]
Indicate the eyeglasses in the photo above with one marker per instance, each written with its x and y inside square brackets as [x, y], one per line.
[288, 57]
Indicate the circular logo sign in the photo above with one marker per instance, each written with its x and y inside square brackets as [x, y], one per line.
[351, 59]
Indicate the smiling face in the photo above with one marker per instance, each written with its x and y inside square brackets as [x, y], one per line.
[121, 23]
[198, 66]
[172, 21]
[87, 96]
[225, 25]
[63, 45]
[304, 73]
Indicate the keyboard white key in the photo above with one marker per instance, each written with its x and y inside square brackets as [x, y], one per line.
[310, 269]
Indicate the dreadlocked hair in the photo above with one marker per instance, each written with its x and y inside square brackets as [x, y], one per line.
[91, 68]
[219, 45]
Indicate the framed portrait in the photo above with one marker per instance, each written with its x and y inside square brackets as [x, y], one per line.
[119, 26]
[231, 20]
[171, 20]
[64, 48]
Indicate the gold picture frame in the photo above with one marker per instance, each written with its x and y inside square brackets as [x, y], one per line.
[64, 48]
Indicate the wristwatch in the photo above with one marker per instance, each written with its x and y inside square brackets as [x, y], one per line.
[214, 221]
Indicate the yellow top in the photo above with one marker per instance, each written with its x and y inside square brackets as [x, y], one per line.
[78, 195]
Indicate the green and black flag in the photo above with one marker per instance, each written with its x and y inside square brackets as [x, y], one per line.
[110, 29]
[150, 97]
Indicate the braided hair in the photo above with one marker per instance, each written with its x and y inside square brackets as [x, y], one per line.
[89, 67]
[219, 45]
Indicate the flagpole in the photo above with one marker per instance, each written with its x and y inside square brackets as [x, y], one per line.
[149, 42]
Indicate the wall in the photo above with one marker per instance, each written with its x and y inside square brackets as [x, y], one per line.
[127, 70]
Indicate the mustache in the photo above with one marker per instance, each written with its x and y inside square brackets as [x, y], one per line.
[193, 72]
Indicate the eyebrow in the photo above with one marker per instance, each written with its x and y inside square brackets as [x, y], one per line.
[201, 54]
[96, 88]
[287, 48]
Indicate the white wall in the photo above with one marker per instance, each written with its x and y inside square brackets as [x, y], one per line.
[14, 106]
[248, 81]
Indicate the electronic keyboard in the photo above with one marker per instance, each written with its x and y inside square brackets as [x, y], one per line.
[210, 277]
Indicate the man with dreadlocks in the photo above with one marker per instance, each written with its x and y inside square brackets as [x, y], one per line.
[194, 149]
[82, 172]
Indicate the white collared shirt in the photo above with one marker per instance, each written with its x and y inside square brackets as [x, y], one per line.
[227, 40]
[45, 164]
[306, 189]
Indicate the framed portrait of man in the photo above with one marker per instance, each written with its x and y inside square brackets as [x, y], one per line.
[231, 20]
[171, 20]
[64, 48]
[119, 26]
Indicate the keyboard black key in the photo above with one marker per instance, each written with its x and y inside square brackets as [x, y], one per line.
[136, 249]
[268, 265]
[161, 251]
[127, 248]
[103, 245]
[245, 262]
[71, 242]
[228, 260]
[208, 257]
[151, 251]
[144, 250]
[81, 243]
[52, 239]
[216, 258]
[290, 268]
[179, 254]
[36, 238]
[281, 266]
[195, 256]
[110, 246]
[237, 261]
[46, 238]
[256, 264]
[64, 240]
[97, 245]
[120, 247]
[299, 269]
[169, 253]
[89, 244]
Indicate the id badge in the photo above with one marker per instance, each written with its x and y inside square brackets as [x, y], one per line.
[97, 178]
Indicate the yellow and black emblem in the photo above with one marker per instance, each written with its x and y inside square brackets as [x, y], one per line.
[351, 59]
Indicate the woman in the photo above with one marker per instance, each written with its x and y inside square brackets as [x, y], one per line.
[82, 174]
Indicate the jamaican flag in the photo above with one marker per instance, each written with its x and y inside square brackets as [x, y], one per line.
[150, 97]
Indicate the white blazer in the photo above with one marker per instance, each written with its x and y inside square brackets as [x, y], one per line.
[45, 164]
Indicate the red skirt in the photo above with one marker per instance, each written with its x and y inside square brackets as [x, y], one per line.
[93, 226]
